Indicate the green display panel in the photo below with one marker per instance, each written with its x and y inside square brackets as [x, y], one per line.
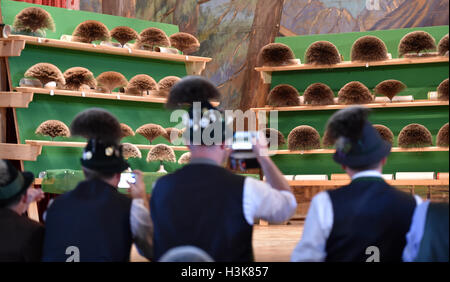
[64, 108]
[419, 78]
[344, 41]
[66, 20]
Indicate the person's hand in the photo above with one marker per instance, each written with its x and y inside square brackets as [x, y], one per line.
[137, 190]
[260, 147]
[34, 195]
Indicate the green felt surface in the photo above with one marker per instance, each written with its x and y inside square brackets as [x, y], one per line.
[45, 107]
[59, 181]
[66, 20]
[419, 78]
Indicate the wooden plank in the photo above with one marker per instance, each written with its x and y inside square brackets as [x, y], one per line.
[41, 143]
[23, 152]
[334, 183]
[417, 103]
[15, 99]
[11, 48]
[96, 95]
[332, 151]
[348, 64]
[54, 43]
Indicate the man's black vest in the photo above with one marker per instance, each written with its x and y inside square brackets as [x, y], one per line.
[95, 218]
[201, 205]
[369, 213]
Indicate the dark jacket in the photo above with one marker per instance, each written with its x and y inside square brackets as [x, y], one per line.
[21, 238]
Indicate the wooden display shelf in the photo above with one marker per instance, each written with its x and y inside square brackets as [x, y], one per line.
[21, 152]
[337, 183]
[332, 151]
[96, 95]
[42, 143]
[266, 72]
[418, 103]
[15, 99]
[14, 44]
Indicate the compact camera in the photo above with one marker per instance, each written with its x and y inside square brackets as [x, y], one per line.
[242, 157]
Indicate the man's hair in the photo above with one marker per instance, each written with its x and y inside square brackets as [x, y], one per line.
[5, 178]
[93, 174]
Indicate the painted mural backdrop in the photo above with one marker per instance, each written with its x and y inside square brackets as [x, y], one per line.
[224, 26]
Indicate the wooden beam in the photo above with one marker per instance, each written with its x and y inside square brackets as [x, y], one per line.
[348, 64]
[332, 151]
[41, 143]
[86, 47]
[287, 32]
[417, 103]
[338, 183]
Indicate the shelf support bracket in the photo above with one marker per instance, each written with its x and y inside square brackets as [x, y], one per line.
[266, 77]
[21, 152]
[11, 48]
[195, 68]
[15, 99]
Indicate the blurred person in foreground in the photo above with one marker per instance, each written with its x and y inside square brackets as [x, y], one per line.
[205, 205]
[95, 218]
[21, 238]
[366, 220]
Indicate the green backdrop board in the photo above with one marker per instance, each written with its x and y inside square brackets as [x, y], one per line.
[64, 108]
[419, 78]
[66, 20]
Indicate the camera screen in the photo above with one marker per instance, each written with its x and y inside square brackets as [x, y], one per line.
[125, 178]
[242, 140]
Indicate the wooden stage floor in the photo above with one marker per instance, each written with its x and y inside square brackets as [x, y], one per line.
[272, 243]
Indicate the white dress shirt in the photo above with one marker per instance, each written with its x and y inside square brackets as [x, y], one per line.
[415, 234]
[319, 223]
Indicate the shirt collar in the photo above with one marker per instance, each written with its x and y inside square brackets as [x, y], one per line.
[203, 161]
[367, 173]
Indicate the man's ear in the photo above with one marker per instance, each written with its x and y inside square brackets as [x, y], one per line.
[24, 198]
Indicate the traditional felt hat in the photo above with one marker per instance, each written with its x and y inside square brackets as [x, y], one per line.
[12, 182]
[358, 144]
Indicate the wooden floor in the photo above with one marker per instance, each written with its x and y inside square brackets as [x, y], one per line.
[272, 243]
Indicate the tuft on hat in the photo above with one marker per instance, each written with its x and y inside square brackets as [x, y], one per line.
[443, 90]
[89, 31]
[126, 131]
[354, 93]
[140, 84]
[283, 95]
[111, 80]
[53, 128]
[131, 151]
[124, 34]
[162, 153]
[358, 144]
[318, 94]
[274, 138]
[33, 19]
[416, 42]
[185, 158]
[97, 123]
[172, 134]
[151, 131]
[322, 53]
[385, 133]
[442, 137]
[415, 135]
[192, 89]
[152, 37]
[368, 49]
[185, 42]
[76, 77]
[276, 54]
[443, 46]
[303, 137]
[390, 88]
[46, 73]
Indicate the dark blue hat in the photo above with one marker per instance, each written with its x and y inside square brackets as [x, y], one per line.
[358, 143]
[105, 157]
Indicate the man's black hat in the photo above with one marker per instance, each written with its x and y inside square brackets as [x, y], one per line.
[103, 152]
[358, 143]
[17, 184]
